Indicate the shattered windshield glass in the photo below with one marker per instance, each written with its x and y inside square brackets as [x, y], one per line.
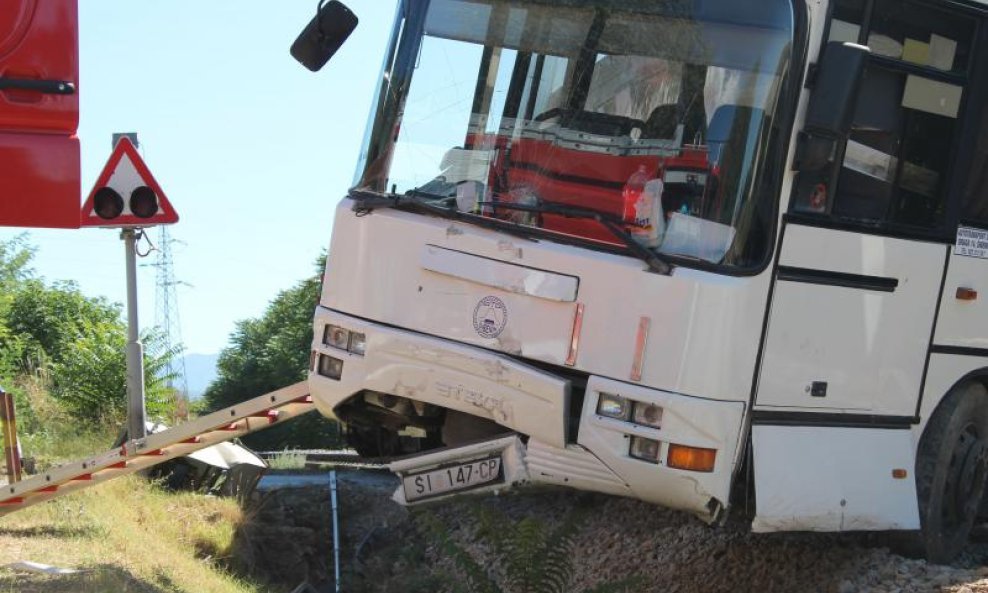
[655, 112]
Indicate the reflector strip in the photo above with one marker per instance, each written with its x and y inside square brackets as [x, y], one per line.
[50, 489]
[574, 342]
[15, 500]
[192, 440]
[82, 478]
[641, 341]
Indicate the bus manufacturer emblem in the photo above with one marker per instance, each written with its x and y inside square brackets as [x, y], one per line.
[489, 317]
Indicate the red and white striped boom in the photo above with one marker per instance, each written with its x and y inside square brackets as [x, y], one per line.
[250, 416]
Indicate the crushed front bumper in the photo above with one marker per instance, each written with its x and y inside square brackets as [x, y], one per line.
[535, 405]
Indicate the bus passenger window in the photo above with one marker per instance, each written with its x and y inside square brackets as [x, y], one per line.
[975, 198]
[896, 160]
[893, 169]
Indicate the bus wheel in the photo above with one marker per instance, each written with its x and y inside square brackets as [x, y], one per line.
[951, 468]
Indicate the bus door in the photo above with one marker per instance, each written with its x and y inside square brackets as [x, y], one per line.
[39, 113]
[863, 256]
[865, 244]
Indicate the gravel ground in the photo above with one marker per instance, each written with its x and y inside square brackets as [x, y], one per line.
[386, 548]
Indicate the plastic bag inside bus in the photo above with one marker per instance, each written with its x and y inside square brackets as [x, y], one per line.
[583, 104]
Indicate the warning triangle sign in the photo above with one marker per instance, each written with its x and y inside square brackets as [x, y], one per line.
[126, 194]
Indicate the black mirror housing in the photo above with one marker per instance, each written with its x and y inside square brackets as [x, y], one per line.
[835, 90]
[324, 35]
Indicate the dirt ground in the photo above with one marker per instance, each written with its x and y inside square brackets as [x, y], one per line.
[613, 543]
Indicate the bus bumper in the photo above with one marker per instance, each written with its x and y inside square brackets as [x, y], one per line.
[534, 403]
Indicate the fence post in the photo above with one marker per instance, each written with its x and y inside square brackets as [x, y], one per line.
[10, 450]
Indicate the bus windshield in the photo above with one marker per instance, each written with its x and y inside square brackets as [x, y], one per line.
[655, 113]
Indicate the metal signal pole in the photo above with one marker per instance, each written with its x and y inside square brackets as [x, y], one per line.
[136, 413]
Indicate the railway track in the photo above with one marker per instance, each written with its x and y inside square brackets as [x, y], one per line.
[328, 459]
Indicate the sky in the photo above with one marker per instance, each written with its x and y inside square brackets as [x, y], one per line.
[252, 150]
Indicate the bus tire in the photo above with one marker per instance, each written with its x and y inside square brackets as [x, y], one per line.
[951, 467]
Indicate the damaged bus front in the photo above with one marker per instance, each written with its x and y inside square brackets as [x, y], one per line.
[554, 264]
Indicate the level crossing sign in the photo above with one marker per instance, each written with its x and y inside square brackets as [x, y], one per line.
[126, 195]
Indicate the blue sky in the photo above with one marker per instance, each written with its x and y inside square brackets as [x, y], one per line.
[252, 149]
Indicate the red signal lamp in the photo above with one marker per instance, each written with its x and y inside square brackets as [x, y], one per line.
[143, 202]
[107, 203]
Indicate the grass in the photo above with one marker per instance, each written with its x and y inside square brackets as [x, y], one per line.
[126, 535]
[287, 460]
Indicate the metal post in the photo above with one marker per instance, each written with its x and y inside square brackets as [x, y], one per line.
[10, 450]
[136, 428]
[336, 530]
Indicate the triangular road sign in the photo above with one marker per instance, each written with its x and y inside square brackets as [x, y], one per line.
[126, 194]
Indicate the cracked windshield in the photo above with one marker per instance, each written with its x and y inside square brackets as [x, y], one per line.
[657, 115]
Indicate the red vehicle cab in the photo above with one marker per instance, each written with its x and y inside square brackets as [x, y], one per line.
[39, 113]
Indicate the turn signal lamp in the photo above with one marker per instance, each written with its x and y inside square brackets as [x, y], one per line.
[644, 449]
[694, 459]
[613, 406]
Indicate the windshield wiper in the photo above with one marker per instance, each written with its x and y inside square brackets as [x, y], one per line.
[613, 223]
[366, 200]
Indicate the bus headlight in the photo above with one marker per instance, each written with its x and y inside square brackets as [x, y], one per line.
[336, 336]
[613, 406]
[344, 339]
[647, 415]
[644, 449]
[329, 367]
[358, 343]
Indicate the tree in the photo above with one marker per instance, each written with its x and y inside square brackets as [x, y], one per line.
[15, 257]
[74, 342]
[271, 352]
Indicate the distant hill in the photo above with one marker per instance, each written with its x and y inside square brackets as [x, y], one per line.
[200, 371]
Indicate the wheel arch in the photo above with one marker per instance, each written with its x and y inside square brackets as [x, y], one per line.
[945, 374]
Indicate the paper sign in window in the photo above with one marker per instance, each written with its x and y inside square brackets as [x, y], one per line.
[916, 52]
[938, 98]
[844, 31]
[942, 51]
[869, 161]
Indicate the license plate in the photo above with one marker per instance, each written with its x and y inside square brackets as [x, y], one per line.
[451, 479]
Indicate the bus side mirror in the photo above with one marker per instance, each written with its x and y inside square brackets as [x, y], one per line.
[831, 107]
[324, 35]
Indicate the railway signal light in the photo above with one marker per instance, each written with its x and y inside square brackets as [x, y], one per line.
[126, 194]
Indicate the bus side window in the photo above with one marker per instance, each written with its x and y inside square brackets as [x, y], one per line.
[897, 158]
[975, 197]
[894, 168]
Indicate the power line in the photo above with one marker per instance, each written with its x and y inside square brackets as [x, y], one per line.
[166, 311]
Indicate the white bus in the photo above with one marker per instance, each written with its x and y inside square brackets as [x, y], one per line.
[694, 253]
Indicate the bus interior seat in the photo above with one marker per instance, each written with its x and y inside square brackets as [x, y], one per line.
[662, 122]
